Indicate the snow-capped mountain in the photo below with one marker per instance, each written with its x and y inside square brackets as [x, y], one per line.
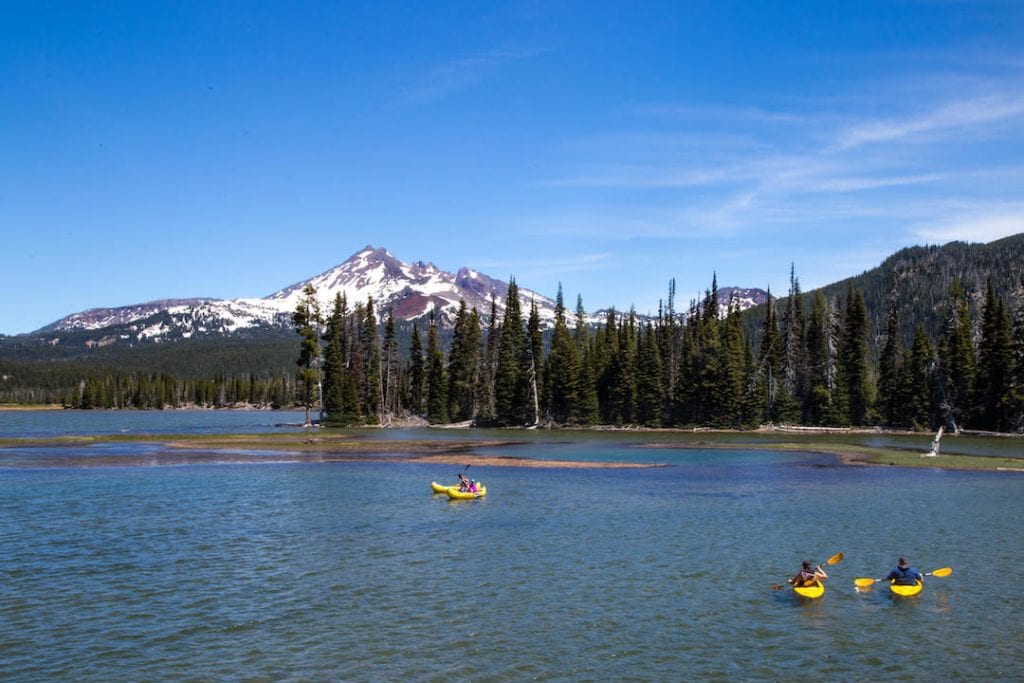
[745, 297]
[410, 290]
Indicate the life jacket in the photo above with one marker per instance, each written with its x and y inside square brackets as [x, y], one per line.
[904, 577]
[806, 578]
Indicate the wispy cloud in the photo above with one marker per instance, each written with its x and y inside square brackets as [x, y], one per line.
[949, 117]
[464, 72]
[982, 224]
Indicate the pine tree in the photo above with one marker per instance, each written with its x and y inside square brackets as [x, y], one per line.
[732, 382]
[509, 399]
[650, 389]
[417, 373]
[994, 398]
[306, 320]
[392, 403]
[370, 339]
[463, 364]
[562, 369]
[623, 390]
[889, 379]
[794, 351]
[853, 359]
[485, 407]
[817, 404]
[334, 362]
[711, 301]
[1017, 404]
[708, 376]
[669, 332]
[437, 377]
[357, 362]
[606, 350]
[769, 374]
[587, 409]
[686, 408]
[341, 403]
[919, 397]
[533, 364]
[956, 357]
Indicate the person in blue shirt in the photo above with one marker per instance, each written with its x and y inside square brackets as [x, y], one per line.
[904, 574]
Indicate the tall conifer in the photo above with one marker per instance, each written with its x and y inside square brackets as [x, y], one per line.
[485, 410]
[417, 373]
[462, 364]
[562, 369]
[957, 358]
[437, 378]
[853, 359]
[587, 409]
[306, 320]
[889, 380]
[918, 401]
[995, 364]
[650, 387]
[370, 339]
[509, 398]
[533, 364]
[817, 404]
[391, 378]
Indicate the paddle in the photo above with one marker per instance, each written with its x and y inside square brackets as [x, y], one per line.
[835, 559]
[865, 583]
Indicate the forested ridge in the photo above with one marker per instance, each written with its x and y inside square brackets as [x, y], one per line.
[934, 336]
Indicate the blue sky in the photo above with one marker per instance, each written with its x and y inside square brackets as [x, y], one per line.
[157, 150]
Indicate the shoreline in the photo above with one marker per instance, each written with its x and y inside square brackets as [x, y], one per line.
[343, 446]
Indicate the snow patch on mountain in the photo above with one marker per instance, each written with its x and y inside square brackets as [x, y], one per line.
[410, 290]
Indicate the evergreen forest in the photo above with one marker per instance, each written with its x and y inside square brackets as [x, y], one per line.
[812, 365]
[933, 337]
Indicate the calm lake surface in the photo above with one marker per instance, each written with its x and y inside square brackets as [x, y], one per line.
[354, 571]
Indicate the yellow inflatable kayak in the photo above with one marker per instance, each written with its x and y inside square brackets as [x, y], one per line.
[455, 494]
[815, 590]
[905, 591]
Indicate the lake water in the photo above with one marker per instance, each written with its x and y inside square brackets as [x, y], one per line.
[354, 571]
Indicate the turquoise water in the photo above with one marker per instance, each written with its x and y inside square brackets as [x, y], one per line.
[354, 571]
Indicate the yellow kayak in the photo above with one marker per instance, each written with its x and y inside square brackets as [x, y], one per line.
[905, 591]
[455, 494]
[815, 590]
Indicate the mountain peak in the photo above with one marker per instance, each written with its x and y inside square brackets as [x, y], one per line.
[410, 290]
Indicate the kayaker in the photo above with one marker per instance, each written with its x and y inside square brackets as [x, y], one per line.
[464, 483]
[808, 574]
[904, 574]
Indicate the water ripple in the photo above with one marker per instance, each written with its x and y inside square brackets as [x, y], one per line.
[281, 573]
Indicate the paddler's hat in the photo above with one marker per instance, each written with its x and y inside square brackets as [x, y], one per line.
[903, 564]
